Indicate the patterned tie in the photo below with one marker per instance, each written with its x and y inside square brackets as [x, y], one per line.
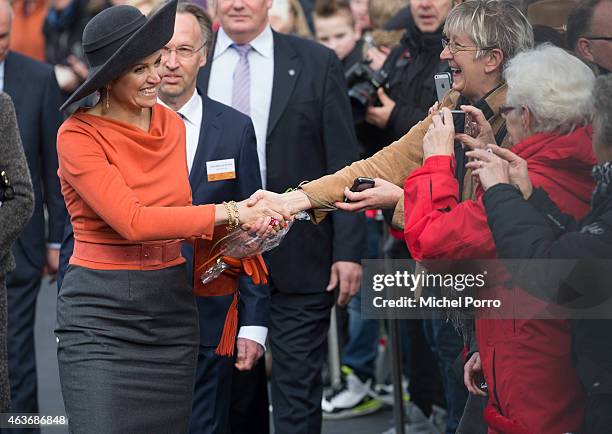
[242, 80]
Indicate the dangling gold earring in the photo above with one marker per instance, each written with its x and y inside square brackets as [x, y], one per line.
[107, 97]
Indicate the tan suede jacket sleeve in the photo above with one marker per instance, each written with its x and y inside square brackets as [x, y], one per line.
[393, 163]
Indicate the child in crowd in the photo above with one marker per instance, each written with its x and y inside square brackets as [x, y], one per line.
[335, 28]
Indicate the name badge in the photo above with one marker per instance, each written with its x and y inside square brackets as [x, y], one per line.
[220, 170]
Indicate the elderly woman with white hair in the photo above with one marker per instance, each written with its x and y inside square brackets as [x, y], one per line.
[527, 363]
[537, 228]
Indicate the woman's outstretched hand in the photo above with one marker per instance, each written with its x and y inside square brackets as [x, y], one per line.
[295, 200]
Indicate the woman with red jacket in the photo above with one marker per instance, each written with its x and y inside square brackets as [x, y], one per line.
[527, 365]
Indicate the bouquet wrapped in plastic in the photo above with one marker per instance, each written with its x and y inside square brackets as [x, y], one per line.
[239, 245]
[217, 263]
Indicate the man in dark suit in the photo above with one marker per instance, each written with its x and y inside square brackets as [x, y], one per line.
[295, 93]
[37, 97]
[217, 136]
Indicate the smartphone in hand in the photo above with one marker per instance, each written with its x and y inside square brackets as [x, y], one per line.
[359, 184]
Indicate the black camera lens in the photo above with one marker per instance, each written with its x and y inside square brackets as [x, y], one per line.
[362, 93]
[364, 82]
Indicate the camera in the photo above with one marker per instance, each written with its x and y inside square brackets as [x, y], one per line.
[363, 83]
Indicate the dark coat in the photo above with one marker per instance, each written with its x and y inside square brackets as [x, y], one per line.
[37, 98]
[538, 229]
[14, 214]
[226, 133]
[310, 134]
[412, 66]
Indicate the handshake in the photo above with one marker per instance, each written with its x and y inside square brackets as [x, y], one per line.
[266, 215]
[265, 212]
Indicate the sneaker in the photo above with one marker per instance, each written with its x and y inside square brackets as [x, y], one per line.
[351, 398]
[384, 392]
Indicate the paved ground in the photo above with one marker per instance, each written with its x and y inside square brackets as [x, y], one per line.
[49, 387]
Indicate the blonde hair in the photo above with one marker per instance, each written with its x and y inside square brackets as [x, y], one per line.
[491, 24]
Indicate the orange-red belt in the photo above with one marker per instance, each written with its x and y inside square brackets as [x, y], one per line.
[145, 254]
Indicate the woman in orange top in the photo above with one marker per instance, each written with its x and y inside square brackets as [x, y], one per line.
[127, 325]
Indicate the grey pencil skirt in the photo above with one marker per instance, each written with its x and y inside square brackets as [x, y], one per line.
[127, 350]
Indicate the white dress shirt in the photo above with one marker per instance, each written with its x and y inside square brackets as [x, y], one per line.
[261, 67]
[191, 113]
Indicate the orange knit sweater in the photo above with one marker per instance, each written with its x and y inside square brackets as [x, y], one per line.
[123, 185]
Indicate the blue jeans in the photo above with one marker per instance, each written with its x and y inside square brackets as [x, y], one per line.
[361, 349]
[446, 344]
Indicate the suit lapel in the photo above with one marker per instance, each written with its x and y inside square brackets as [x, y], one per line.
[286, 73]
[210, 133]
[13, 80]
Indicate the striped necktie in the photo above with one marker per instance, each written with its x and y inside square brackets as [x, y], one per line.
[242, 80]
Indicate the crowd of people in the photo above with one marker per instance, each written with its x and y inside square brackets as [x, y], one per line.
[135, 133]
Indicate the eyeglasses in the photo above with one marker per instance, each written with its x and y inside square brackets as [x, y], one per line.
[599, 38]
[181, 52]
[454, 48]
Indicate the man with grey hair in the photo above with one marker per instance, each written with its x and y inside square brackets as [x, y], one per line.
[215, 133]
[34, 90]
[589, 33]
[295, 93]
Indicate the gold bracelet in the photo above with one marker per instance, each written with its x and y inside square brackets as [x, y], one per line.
[231, 218]
[234, 205]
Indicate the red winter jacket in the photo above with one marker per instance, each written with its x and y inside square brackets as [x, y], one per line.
[533, 387]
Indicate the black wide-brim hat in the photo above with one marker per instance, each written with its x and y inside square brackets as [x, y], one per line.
[117, 38]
